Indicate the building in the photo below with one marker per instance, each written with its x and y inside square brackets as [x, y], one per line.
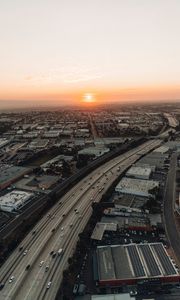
[3, 142]
[129, 201]
[128, 264]
[162, 149]
[14, 200]
[10, 174]
[37, 183]
[124, 296]
[154, 159]
[39, 144]
[137, 187]
[139, 172]
[94, 151]
[128, 221]
[100, 228]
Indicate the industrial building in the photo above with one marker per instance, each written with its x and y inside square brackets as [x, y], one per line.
[14, 200]
[153, 159]
[37, 183]
[39, 144]
[139, 172]
[128, 221]
[3, 142]
[128, 264]
[129, 201]
[162, 149]
[94, 151]
[137, 187]
[124, 296]
[10, 174]
[100, 228]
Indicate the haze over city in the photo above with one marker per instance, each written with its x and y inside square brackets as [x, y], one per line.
[90, 150]
[73, 52]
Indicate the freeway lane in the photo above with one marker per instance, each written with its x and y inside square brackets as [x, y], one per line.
[68, 217]
[169, 200]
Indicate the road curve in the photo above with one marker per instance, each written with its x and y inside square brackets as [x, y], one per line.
[60, 228]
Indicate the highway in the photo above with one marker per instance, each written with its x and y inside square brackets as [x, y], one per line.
[169, 204]
[59, 229]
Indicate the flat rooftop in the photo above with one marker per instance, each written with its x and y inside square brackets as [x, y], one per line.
[126, 200]
[136, 186]
[112, 297]
[9, 173]
[100, 228]
[139, 172]
[134, 261]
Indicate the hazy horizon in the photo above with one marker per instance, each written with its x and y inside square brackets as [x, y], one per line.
[116, 51]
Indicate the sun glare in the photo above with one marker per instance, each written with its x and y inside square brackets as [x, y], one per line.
[89, 98]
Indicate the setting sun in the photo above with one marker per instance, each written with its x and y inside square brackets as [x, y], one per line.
[89, 98]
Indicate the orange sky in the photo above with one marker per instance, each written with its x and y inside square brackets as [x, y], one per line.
[54, 53]
[51, 96]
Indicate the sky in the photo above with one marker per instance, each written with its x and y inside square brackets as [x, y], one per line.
[58, 51]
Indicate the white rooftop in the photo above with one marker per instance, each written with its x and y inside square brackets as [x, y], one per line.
[139, 171]
[162, 149]
[136, 186]
[14, 199]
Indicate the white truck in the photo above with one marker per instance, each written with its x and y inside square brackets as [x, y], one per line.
[60, 251]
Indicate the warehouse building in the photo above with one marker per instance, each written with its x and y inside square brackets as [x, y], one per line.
[137, 187]
[129, 201]
[14, 200]
[125, 296]
[153, 159]
[37, 183]
[100, 228]
[129, 222]
[10, 174]
[94, 151]
[139, 172]
[128, 264]
[161, 149]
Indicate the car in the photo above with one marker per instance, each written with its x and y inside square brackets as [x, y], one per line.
[11, 279]
[1, 285]
[52, 252]
[34, 231]
[53, 229]
[25, 252]
[62, 228]
[49, 284]
[27, 267]
[20, 248]
[54, 255]
[46, 268]
[64, 215]
[71, 225]
[41, 263]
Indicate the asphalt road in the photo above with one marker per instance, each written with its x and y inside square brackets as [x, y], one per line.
[169, 201]
[60, 228]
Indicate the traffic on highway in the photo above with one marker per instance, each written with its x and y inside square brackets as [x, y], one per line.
[35, 269]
